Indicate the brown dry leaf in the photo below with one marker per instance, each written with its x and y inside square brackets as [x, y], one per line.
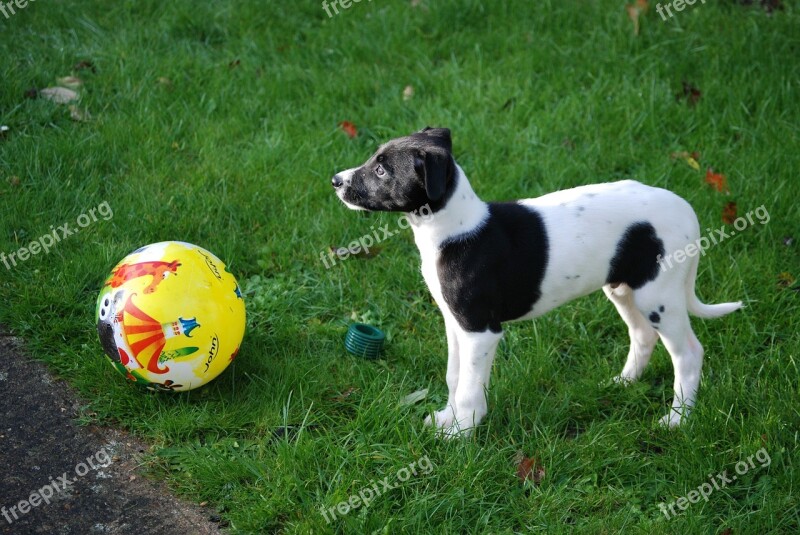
[635, 10]
[717, 181]
[235, 63]
[77, 114]
[166, 82]
[785, 279]
[690, 158]
[344, 395]
[349, 129]
[13, 181]
[408, 93]
[85, 64]
[529, 469]
[729, 213]
[72, 82]
[689, 92]
[59, 95]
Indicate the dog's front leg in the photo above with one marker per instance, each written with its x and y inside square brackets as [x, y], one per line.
[476, 352]
[444, 418]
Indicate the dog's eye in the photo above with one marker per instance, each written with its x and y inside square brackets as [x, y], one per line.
[381, 158]
[380, 170]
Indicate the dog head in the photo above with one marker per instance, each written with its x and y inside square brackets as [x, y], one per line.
[402, 176]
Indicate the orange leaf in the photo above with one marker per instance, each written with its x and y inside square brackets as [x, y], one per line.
[349, 129]
[634, 10]
[529, 469]
[717, 180]
[729, 213]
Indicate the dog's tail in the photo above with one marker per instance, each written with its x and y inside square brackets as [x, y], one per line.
[697, 307]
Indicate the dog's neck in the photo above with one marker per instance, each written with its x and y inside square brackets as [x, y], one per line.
[463, 214]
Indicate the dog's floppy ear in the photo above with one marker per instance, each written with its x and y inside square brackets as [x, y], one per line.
[440, 135]
[435, 167]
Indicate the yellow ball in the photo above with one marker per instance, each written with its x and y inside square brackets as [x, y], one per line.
[170, 316]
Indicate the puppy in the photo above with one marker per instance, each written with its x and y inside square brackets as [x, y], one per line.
[489, 263]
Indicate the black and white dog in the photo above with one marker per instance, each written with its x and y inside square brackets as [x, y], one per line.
[487, 263]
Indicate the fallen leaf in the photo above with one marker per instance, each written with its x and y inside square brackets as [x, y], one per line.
[349, 129]
[59, 95]
[235, 63]
[414, 397]
[85, 64]
[689, 158]
[344, 395]
[408, 93]
[717, 181]
[729, 213]
[690, 93]
[785, 279]
[529, 469]
[72, 82]
[13, 180]
[166, 82]
[635, 10]
[76, 114]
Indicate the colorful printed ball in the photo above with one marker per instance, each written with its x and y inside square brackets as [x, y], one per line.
[170, 316]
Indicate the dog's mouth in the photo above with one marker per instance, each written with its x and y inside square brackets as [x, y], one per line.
[350, 194]
[352, 198]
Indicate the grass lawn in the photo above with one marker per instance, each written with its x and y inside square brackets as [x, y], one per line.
[217, 123]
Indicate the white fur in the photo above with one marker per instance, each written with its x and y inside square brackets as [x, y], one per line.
[584, 226]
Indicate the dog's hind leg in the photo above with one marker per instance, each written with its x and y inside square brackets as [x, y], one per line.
[445, 417]
[643, 336]
[665, 308]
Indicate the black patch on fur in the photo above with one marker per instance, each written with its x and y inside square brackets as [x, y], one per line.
[495, 274]
[661, 308]
[654, 317]
[418, 170]
[636, 260]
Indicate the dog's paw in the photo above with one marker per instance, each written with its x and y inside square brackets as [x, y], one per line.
[672, 419]
[460, 428]
[441, 419]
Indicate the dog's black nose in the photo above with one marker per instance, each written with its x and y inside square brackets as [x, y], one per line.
[336, 181]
